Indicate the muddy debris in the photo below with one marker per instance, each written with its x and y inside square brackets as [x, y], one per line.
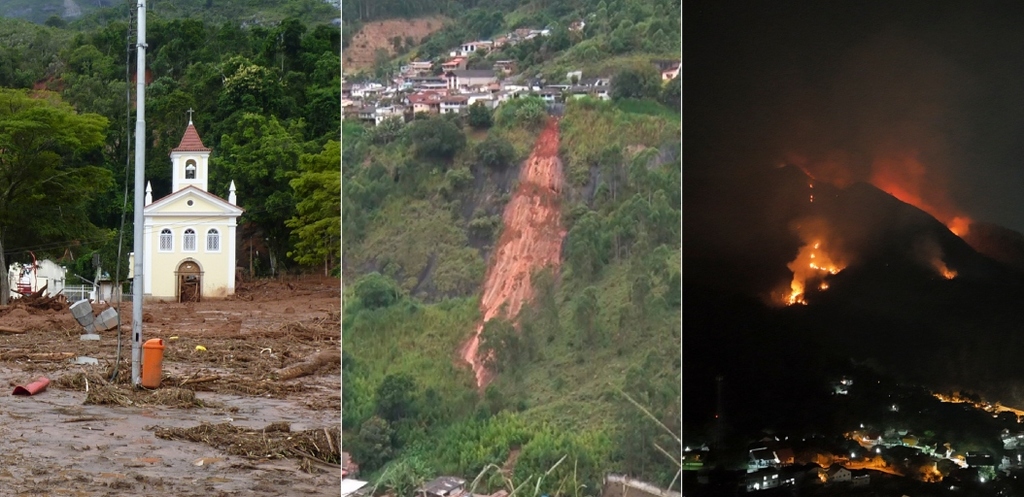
[315, 448]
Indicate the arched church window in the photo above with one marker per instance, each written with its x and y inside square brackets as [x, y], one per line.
[166, 240]
[190, 240]
[190, 169]
[213, 240]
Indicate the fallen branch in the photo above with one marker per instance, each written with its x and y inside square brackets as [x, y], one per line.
[38, 356]
[7, 329]
[202, 379]
[309, 367]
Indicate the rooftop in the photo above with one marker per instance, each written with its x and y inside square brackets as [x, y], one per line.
[191, 142]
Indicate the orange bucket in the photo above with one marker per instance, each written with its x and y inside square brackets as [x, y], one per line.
[152, 362]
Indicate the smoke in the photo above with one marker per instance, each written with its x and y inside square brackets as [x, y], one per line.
[929, 253]
[885, 115]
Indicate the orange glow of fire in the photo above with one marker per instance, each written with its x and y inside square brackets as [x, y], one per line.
[944, 271]
[811, 263]
[959, 225]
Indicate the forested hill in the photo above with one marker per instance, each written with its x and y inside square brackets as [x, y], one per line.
[266, 99]
[97, 12]
[424, 198]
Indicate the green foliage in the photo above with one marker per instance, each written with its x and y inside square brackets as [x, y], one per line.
[48, 171]
[396, 397]
[404, 476]
[387, 131]
[480, 116]
[261, 156]
[529, 112]
[502, 346]
[374, 444]
[435, 138]
[586, 247]
[586, 315]
[317, 223]
[375, 291]
[637, 82]
[495, 152]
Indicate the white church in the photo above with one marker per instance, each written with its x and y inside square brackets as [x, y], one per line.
[189, 235]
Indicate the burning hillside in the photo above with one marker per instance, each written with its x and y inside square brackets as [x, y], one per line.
[813, 262]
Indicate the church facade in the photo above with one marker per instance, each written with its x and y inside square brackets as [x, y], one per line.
[189, 235]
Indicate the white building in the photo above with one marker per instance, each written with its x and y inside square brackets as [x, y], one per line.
[30, 278]
[189, 235]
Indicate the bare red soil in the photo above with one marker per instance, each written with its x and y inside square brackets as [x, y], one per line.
[531, 239]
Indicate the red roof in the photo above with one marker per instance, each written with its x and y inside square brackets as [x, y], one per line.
[191, 141]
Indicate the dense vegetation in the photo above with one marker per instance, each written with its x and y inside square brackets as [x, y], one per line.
[266, 99]
[422, 213]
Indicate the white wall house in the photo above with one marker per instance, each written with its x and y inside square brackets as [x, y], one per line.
[189, 235]
[26, 279]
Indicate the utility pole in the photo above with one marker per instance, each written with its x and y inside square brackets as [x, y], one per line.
[140, 176]
[718, 415]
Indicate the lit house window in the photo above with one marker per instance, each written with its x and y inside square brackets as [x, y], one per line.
[166, 240]
[190, 240]
[212, 241]
[190, 169]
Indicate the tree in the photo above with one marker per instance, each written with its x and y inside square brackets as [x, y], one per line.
[480, 116]
[636, 82]
[585, 251]
[500, 345]
[495, 153]
[317, 223]
[46, 176]
[375, 443]
[585, 312]
[435, 138]
[376, 291]
[261, 157]
[396, 397]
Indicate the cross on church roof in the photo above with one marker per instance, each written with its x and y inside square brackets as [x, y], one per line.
[190, 111]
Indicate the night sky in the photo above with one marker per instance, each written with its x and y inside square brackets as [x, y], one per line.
[919, 96]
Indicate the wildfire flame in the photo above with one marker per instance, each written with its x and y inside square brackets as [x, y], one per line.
[959, 225]
[812, 263]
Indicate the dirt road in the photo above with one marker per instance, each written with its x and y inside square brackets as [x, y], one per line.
[531, 239]
[230, 429]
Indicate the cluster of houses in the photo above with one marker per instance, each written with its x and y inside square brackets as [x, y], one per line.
[416, 88]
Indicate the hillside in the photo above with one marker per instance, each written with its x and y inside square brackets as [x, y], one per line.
[361, 50]
[909, 298]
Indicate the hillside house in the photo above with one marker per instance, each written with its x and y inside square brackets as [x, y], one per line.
[761, 458]
[663, 64]
[444, 486]
[577, 25]
[454, 64]
[189, 235]
[838, 474]
[461, 79]
[670, 73]
[387, 112]
[427, 82]
[367, 113]
[473, 46]
[454, 104]
[428, 101]
[421, 66]
[505, 67]
[487, 99]
[764, 479]
[550, 95]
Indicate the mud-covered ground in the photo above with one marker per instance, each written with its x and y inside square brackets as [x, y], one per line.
[223, 421]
